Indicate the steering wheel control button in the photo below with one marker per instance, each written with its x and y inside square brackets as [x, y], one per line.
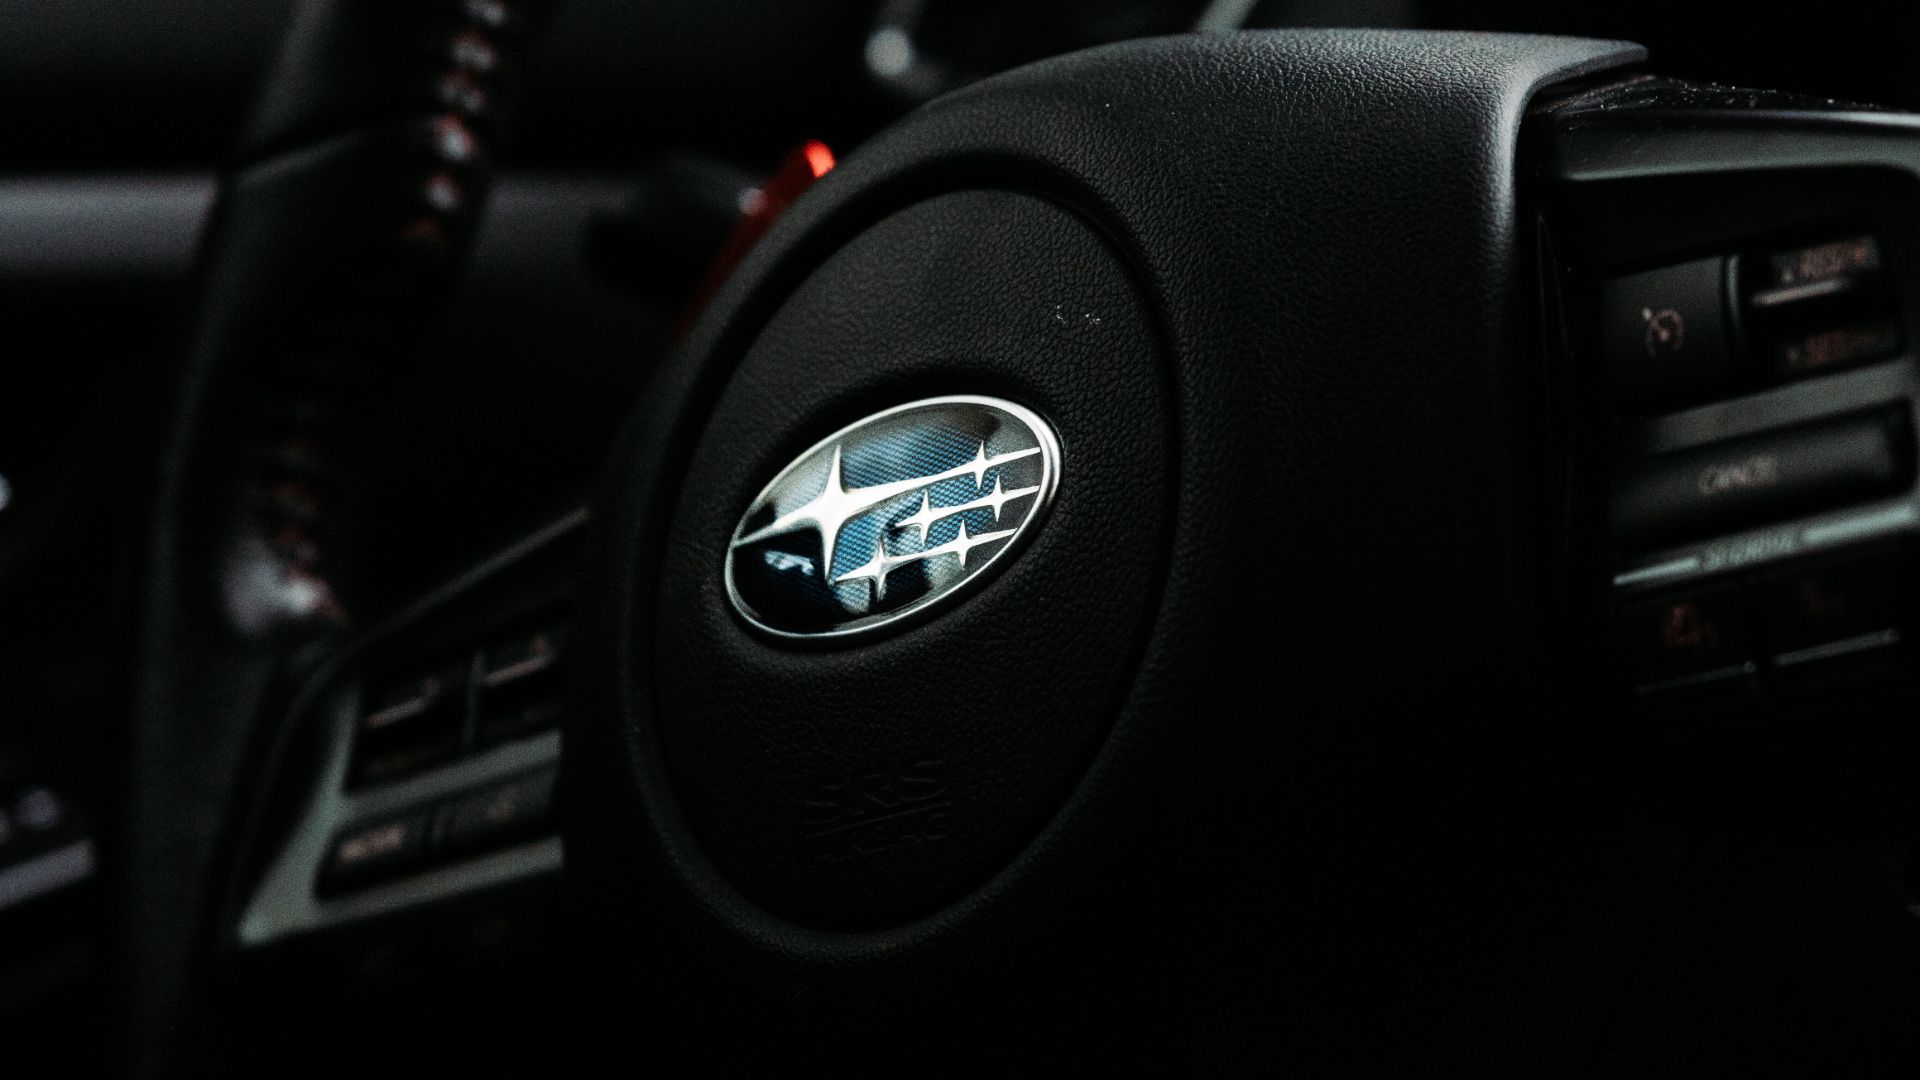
[1733, 485]
[1694, 639]
[507, 812]
[1835, 611]
[520, 709]
[525, 655]
[405, 700]
[892, 517]
[368, 853]
[1664, 332]
[411, 722]
[1826, 349]
[1821, 307]
[1817, 272]
[522, 689]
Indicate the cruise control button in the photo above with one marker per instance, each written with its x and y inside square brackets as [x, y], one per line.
[1818, 270]
[513, 810]
[382, 761]
[522, 656]
[410, 723]
[1815, 351]
[529, 710]
[398, 701]
[1744, 482]
[1664, 331]
[1701, 636]
[1826, 611]
[368, 853]
[522, 691]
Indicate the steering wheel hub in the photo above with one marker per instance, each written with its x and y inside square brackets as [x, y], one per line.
[975, 657]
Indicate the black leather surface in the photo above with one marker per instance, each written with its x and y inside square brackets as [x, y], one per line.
[1003, 698]
[1325, 227]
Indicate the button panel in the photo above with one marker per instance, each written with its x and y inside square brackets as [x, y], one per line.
[1763, 476]
[472, 825]
[433, 717]
[1741, 321]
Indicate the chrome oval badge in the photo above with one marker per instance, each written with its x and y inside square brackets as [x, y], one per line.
[892, 516]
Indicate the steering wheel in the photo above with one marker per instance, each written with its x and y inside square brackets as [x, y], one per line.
[1124, 563]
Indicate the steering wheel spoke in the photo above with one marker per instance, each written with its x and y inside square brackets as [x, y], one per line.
[428, 750]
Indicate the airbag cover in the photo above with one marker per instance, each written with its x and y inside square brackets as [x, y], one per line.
[867, 781]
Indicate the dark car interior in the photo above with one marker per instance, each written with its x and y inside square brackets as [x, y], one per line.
[882, 536]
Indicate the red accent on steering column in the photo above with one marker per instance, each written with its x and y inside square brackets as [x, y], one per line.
[759, 209]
